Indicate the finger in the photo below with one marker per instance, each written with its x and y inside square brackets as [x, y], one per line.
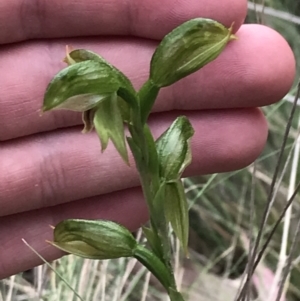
[125, 207]
[57, 167]
[256, 70]
[24, 20]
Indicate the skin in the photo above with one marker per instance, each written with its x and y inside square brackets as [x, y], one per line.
[49, 171]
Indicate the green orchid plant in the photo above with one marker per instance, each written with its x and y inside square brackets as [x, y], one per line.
[109, 103]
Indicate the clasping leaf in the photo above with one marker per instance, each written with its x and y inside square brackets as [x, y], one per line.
[174, 154]
[188, 48]
[176, 211]
[174, 150]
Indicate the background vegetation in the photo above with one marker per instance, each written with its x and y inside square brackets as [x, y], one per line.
[226, 213]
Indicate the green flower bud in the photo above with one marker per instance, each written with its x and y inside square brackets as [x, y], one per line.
[188, 48]
[94, 239]
[85, 82]
[80, 87]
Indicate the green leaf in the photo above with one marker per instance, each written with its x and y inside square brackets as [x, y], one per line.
[153, 241]
[154, 265]
[136, 151]
[173, 148]
[94, 239]
[157, 213]
[175, 296]
[188, 48]
[176, 211]
[152, 160]
[109, 124]
[188, 158]
[124, 109]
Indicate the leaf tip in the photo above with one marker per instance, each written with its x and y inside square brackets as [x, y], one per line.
[68, 60]
[232, 36]
[47, 106]
[126, 160]
[86, 129]
[103, 146]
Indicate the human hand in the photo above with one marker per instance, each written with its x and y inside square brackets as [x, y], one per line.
[49, 171]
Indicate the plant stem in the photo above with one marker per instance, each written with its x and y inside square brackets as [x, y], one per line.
[161, 228]
[155, 266]
[145, 155]
[147, 96]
